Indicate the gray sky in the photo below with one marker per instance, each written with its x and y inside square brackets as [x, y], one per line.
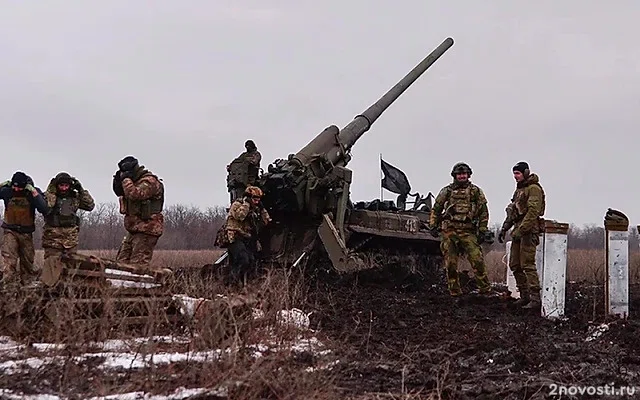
[182, 84]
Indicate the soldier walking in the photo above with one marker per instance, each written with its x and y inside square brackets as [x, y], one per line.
[141, 197]
[243, 171]
[21, 200]
[65, 196]
[524, 215]
[461, 214]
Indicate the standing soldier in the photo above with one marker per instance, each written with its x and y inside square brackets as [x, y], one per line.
[65, 196]
[141, 197]
[243, 171]
[523, 214]
[460, 212]
[21, 199]
[239, 234]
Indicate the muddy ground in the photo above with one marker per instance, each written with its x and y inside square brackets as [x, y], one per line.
[409, 341]
[416, 339]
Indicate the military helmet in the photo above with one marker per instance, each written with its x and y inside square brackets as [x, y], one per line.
[253, 191]
[63, 177]
[461, 168]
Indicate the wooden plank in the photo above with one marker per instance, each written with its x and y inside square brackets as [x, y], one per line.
[106, 263]
[114, 299]
[105, 275]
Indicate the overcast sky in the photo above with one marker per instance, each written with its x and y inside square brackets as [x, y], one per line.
[182, 84]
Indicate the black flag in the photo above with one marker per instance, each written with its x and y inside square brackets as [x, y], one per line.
[394, 180]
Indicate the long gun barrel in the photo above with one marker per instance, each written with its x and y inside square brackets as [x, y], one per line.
[334, 144]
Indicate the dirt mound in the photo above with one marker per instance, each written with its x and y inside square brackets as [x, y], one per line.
[417, 339]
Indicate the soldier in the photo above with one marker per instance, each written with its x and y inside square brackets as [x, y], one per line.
[65, 196]
[461, 214]
[240, 232]
[141, 197]
[243, 171]
[524, 215]
[21, 199]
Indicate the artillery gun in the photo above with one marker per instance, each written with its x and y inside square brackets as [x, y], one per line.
[308, 197]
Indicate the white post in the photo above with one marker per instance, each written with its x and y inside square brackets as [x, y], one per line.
[617, 257]
[554, 268]
[540, 257]
[511, 280]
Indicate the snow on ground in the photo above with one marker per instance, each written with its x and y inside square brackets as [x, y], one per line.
[129, 354]
[178, 394]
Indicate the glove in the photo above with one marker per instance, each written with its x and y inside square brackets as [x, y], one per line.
[77, 185]
[31, 189]
[488, 237]
[117, 185]
[5, 183]
[501, 236]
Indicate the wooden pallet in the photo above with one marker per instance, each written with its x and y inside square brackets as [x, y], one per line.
[93, 291]
[86, 297]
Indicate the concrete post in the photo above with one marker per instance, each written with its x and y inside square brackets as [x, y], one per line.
[511, 280]
[554, 268]
[616, 227]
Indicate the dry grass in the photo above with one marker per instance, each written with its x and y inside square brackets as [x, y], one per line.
[582, 266]
[278, 372]
[165, 258]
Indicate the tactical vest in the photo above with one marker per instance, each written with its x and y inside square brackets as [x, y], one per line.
[238, 173]
[144, 209]
[459, 208]
[63, 213]
[241, 173]
[519, 192]
[18, 212]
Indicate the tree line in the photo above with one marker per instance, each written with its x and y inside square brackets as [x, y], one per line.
[192, 228]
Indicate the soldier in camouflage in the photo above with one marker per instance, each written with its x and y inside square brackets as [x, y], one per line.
[524, 215]
[243, 171]
[21, 199]
[65, 196]
[461, 214]
[240, 232]
[141, 197]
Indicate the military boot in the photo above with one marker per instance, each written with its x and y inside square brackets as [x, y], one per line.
[523, 300]
[535, 302]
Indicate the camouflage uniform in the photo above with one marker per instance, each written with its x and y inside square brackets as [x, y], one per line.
[524, 215]
[243, 171]
[62, 224]
[240, 231]
[21, 200]
[461, 214]
[141, 197]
